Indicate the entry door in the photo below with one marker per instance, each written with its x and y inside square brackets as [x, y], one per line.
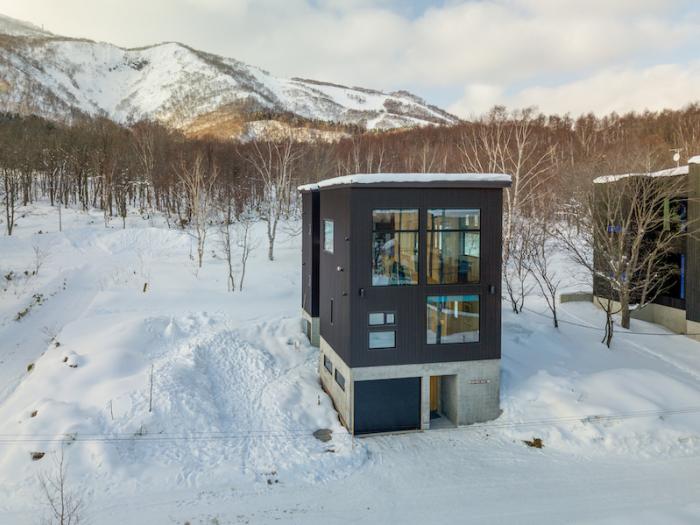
[434, 393]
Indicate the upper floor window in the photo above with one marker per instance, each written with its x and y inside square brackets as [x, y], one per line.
[328, 236]
[454, 242]
[394, 247]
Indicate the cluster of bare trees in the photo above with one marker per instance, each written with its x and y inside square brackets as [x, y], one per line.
[203, 183]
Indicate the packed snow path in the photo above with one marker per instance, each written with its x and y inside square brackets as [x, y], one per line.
[226, 436]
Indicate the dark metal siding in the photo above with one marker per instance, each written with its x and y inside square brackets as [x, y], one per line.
[310, 201]
[387, 405]
[409, 301]
[334, 272]
[693, 257]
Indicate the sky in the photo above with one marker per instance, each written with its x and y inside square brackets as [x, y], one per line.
[562, 56]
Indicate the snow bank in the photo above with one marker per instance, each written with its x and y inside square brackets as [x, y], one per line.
[670, 172]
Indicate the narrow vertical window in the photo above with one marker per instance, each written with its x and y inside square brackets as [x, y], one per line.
[331, 316]
[454, 245]
[328, 236]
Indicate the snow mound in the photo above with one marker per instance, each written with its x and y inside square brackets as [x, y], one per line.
[225, 404]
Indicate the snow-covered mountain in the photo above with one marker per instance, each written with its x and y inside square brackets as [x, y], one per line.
[58, 77]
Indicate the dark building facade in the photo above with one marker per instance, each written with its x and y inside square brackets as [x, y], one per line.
[309, 264]
[678, 308]
[410, 298]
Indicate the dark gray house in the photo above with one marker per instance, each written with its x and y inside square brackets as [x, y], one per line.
[678, 308]
[408, 296]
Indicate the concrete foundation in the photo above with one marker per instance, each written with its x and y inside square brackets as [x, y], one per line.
[469, 390]
[311, 326]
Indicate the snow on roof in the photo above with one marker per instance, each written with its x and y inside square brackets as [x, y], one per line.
[670, 172]
[694, 160]
[422, 178]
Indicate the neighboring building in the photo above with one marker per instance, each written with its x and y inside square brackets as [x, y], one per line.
[678, 308]
[409, 296]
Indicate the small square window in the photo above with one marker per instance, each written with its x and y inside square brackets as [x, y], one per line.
[384, 339]
[376, 318]
[340, 380]
[390, 319]
[328, 232]
[327, 364]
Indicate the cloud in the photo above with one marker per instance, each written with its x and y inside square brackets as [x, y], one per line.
[667, 86]
[483, 49]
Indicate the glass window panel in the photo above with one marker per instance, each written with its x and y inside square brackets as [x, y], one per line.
[328, 236]
[376, 318]
[327, 364]
[451, 219]
[452, 319]
[394, 220]
[453, 257]
[386, 339]
[340, 379]
[394, 258]
[390, 319]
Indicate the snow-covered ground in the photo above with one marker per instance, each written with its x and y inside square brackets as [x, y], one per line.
[235, 400]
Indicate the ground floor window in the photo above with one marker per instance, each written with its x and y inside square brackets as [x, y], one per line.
[340, 379]
[327, 364]
[452, 319]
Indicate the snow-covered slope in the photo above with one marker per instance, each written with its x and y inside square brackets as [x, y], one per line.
[57, 76]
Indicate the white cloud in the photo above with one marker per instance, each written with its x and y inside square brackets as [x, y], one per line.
[668, 86]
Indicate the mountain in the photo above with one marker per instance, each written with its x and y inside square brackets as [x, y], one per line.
[200, 93]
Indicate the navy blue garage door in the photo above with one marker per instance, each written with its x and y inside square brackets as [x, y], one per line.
[387, 405]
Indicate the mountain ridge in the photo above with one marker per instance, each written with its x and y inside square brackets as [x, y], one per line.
[60, 78]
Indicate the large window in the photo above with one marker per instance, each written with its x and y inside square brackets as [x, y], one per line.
[454, 243]
[328, 236]
[394, 247]
[452, 319]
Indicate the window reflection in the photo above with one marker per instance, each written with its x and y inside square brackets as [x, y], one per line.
[394, 247]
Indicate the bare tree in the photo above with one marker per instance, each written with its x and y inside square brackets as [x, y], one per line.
[65, 505]
[244, 241]
[516, 268]
[198, 183]
[632, 226]
[504, 142]
[10, 196]
[539, 263]
[40, 256]
[226, 243]
[274, 162]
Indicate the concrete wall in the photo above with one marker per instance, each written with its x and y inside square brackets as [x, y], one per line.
[449, 396]
[470, 392]
[693, 328]
[342, 400]
[671, 318]
[315, 338]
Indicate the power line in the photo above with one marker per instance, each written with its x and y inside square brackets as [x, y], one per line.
[307, 433]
